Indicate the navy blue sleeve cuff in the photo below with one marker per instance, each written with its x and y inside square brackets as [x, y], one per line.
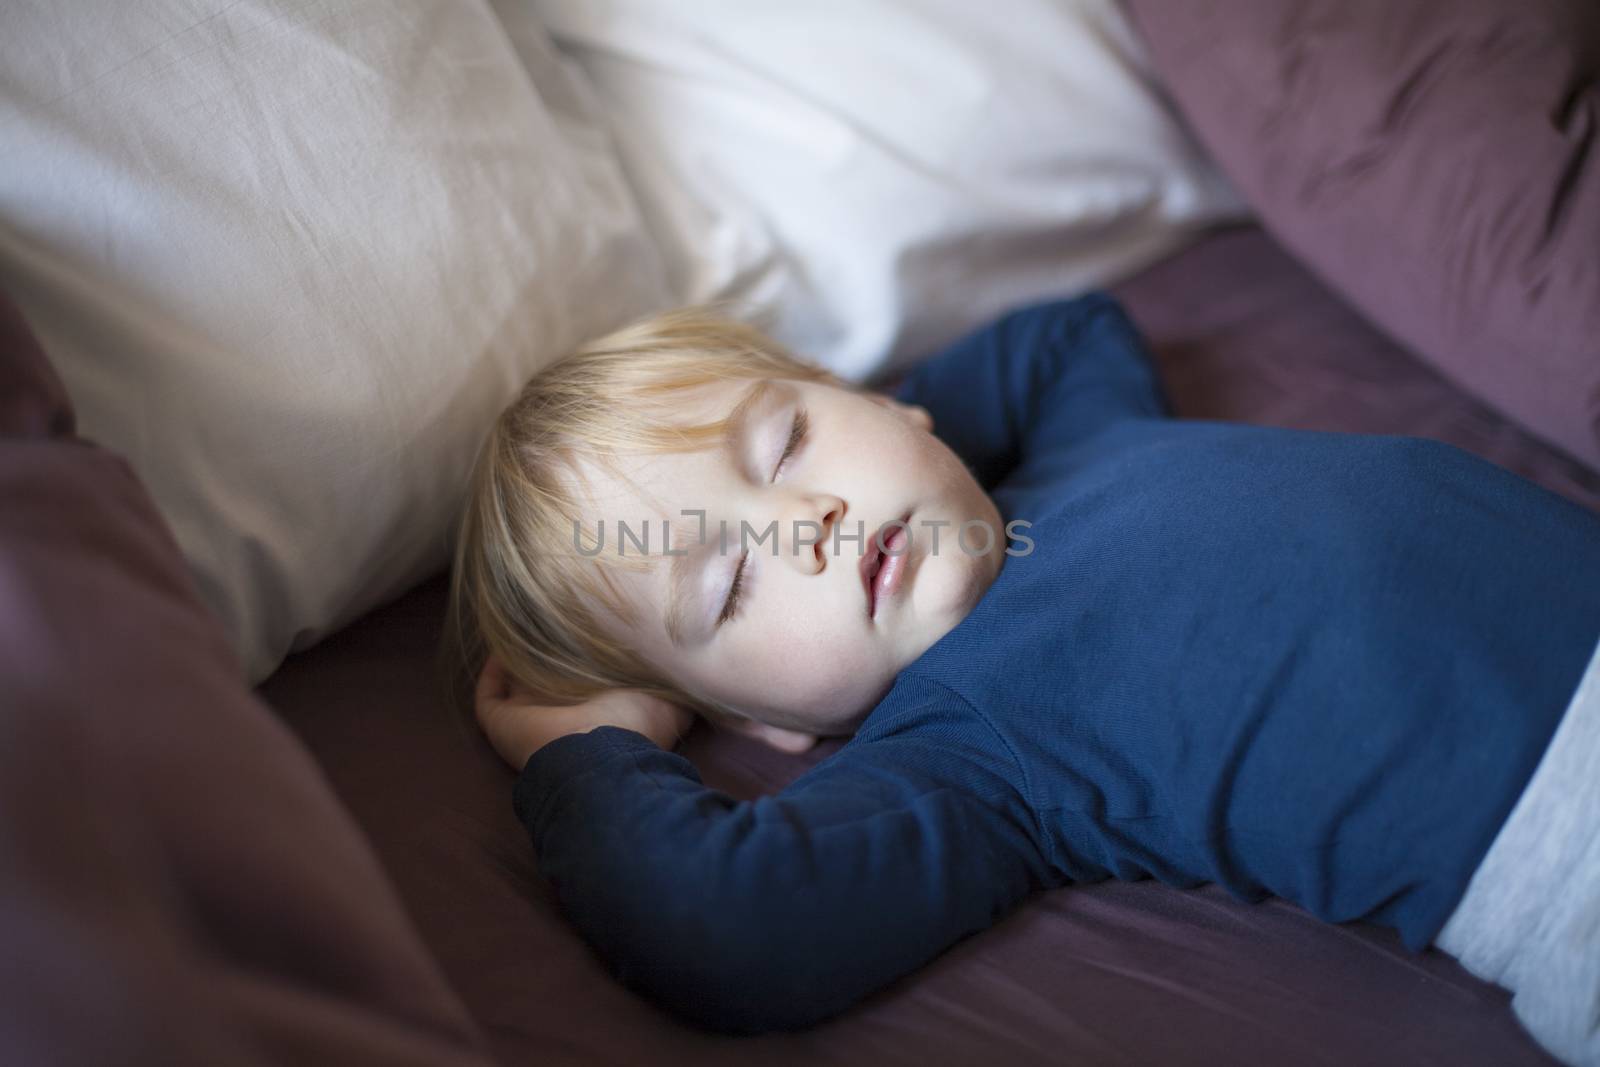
[565, 759]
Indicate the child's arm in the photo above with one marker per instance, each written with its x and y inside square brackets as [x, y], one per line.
[1047, 375]
[777, 913]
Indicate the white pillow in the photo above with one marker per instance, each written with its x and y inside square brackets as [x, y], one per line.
[291, 258]
[889, 173]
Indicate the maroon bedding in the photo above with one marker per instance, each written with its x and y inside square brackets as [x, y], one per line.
[1432, 161]
[1111, 973]
[178, 882]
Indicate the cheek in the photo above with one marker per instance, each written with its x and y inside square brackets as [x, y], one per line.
[928, 470]
[945, 470]
[813, 671]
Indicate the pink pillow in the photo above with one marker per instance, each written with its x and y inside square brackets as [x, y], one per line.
[1434, 161]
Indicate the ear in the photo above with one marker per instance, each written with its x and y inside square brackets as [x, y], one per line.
[916, 414]
[783, 740]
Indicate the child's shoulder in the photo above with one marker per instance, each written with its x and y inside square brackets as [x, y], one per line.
[1205, 463]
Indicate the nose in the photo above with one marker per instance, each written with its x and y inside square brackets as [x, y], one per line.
[805, 534]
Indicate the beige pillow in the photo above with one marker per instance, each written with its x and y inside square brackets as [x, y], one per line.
[290, 259]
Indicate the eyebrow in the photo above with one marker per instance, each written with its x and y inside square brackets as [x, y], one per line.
[680, 596]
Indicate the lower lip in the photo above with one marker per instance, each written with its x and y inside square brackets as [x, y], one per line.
[891, 567]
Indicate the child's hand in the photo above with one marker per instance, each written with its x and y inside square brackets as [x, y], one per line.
[518, 724]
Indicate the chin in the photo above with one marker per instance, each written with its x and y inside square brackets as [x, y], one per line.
[942, 582]
[848, 726]
[864, 701]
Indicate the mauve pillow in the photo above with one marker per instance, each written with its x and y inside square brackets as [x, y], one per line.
[1433, 160]
[178, 883]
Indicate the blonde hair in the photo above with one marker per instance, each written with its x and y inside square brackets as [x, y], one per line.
[519, 588]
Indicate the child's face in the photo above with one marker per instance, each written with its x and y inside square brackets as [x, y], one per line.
[801, 653]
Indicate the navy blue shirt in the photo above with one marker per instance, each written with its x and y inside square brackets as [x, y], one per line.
[1320, 666]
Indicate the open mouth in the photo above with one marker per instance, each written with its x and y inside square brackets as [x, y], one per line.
[883, 569]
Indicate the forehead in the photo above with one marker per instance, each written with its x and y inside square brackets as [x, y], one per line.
[639, 485]
[639, 493]
[650, 491]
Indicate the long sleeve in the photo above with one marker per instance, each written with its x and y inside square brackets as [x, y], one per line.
[1050, 374]
[778, 912]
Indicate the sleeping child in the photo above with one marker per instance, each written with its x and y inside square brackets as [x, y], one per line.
[1071, 638]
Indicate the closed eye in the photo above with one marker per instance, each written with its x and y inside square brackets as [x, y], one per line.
[797, 435]
[730, 608]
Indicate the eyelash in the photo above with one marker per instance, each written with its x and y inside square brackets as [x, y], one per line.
[797, 434]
